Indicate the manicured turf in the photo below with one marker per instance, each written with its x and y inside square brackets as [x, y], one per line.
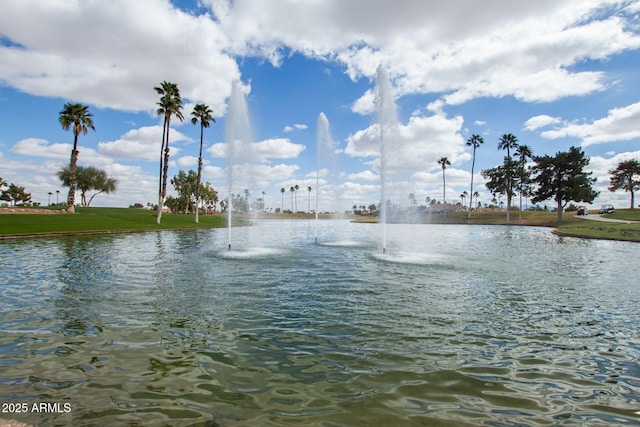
[108, 220]
[100, 220]
[570, 224]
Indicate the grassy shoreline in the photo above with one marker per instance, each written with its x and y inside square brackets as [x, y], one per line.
[97, 221]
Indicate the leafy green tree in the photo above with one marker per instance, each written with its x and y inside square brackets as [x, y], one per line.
[208, 196]
[203, 114]
[169, 105]
[509, 142]
[496, 179]
[15, 195]
[77, 117]
[185, 185]
[239, 203]
[89, 179]
[444, 162]
[562, 178]
[626, 176]
[475, 141]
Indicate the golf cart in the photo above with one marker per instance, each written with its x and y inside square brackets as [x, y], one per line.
[606, 209]
[582, 210]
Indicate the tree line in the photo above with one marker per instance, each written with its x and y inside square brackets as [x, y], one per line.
[561, 177]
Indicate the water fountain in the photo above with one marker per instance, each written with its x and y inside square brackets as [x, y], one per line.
[327, 188]
[324, 158]
[238, 143]
[388, 125]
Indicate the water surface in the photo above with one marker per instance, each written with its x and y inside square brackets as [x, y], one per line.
[454, 325]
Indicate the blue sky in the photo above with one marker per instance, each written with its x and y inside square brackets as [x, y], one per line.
[555, 74]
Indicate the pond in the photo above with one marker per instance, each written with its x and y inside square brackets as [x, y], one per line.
[454, 325]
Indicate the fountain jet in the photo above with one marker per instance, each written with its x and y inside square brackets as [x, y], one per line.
[324, 156]
[388, 126]
[238, 142]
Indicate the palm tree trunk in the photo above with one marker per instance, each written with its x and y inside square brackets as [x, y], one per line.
[473, 164]
[199, 171]
[162, 148]
[165, 173]
[71, 197]
[444, 190]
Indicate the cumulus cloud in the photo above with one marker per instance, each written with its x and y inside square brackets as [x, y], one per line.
[537, 122]
[462, 49]
[366, 175]
[58, 151]
[117, 57]
[297, 126]
[620, 124]
[416, 146]
[141, 144]
[275, 148]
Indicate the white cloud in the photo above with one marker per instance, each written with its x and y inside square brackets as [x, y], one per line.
[540, 121]
[142, 144]
[275, 148]
[38, 147]
[366, 175]
[41, 148]
[417, 145]
[460, 48]
[118, 57]
[187, 161]
[621, 124]
[296, 126]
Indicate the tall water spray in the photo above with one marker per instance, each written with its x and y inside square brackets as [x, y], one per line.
[324, 156]
[238, 143]
[388, 125]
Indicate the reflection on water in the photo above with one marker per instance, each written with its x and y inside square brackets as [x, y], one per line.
[454, 325]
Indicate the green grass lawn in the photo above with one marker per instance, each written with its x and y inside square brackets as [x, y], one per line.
[626, 214]
[607, 230]
[97, 220]
[569, 226]
[106, 220]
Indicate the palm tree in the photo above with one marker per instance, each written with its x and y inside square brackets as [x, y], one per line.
[292, 190]
[309, 204]
[57, 193]
[78, 117]
[444, 162]
[523, 152]
[169, 105]
[508, 142]
[475, 141]
[203, 114]
[49, 193]
[297, 187]
[282, 190]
